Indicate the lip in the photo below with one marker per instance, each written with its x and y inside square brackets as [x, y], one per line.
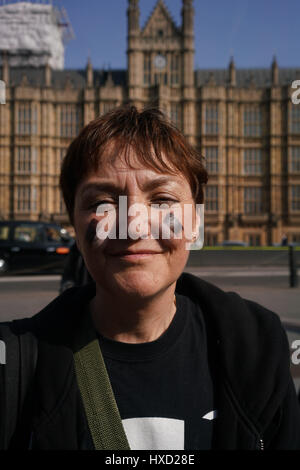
[135, 253]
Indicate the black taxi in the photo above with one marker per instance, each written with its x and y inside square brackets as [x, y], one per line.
[29, 247]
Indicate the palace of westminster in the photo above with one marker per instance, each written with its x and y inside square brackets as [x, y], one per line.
[242, 120]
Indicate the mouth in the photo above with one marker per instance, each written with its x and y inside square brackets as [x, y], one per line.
[134, 255]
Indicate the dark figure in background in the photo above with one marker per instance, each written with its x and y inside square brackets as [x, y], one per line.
[284, 240]
[75, 272]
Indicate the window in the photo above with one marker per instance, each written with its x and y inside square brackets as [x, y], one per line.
[34, 121]
[62, 153]
[26, 198]
[254, 240]
[211, 239]
[62, 207]
[108, 106]
[27, 119]
[212, 203]
[34, 157]
[253, 164]
[212, 159]
[175, 67]
[23, 160]
[33, 199]
[295, 119]
[175, 114]
[53, 234]
[69, 120]
[253, 200]
[296, 238]
[294, 159]
[4, 232]
[160, 78]
[147, 69]
[24, 119]
[295, 197]
[26, 160]
[252, 121]
[211, 119]
[28, 233]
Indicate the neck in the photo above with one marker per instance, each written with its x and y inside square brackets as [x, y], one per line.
[133, 320]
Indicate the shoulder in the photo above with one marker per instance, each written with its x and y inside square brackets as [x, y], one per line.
[250, 344]
[228, 309]
[55, 323]
[235, 320]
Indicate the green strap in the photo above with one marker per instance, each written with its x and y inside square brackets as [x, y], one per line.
[98, 398]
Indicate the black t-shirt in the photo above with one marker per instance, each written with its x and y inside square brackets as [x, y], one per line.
[164, 388]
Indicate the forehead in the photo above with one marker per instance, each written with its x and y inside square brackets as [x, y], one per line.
[123, 169]
[126, 158]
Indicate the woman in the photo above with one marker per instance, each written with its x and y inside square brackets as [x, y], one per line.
[183, 365]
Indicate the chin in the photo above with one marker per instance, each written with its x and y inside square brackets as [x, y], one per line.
[135, 283]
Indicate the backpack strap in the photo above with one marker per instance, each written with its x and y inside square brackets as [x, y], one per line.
[28, 361]
[9, 386]
[16, 384]
[98, 399]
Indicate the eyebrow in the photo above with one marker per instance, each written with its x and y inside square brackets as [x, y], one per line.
[104, 186]
[112, 188]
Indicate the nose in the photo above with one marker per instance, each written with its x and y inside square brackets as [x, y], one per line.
[138, 219]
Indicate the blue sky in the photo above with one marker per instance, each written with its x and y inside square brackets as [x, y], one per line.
[252, 30]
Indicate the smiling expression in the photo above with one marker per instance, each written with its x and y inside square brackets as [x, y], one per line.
[141, 267]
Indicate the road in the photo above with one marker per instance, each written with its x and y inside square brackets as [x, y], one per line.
[24, 296]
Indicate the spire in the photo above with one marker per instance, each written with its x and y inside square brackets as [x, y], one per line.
[188, 46]
[24, 80]
[211, 80]
[275, 71]
[133, 13]
[109, 79]
[48, 75]
[188, 14]
[251, 81]
[89, 73]
[232, 72]
[5, 67]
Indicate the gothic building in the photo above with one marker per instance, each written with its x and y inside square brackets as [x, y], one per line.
[242, 120]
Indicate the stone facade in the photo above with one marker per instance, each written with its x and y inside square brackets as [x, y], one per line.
[242, 120]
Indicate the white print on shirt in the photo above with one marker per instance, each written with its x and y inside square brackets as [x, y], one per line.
[211, 415]
[154, 433]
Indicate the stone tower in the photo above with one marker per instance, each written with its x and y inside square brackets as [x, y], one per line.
[188, 81]
[161, 62]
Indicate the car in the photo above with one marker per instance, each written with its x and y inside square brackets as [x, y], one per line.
[33, 247]
[233, 243]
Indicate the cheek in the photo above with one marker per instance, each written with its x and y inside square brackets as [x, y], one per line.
[177, 253]
[85, 229]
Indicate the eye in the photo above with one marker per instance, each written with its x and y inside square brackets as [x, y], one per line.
[164, 200]
[103, 202]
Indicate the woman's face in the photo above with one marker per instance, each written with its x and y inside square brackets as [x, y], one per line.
[139, 267]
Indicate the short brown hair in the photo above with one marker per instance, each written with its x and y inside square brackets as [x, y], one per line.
[148, 133]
